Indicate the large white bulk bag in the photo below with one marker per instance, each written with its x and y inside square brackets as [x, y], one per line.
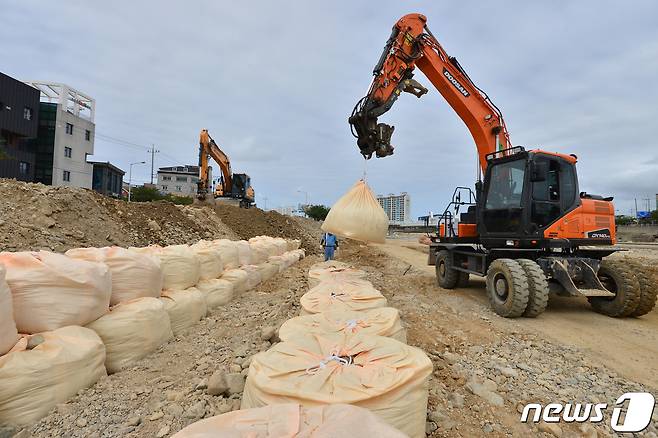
[281, 262]
[185, 308]
[180, 265]
[344, 295]
[293, 244]
[333, 271]
[229, 252]
[291, 420]
[51, 290]
[238, 278]
[8, 333]
[132, 330]
[244, 252]
[218, 292]
[383, 321]
[357, 215]
[133, 275]
[254, 277]
[380, 374]
[210, 260]
[268, 270]
[259, 252]
[281, 245]
[34, 381]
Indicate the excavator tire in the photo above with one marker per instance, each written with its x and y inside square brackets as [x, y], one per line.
[507, 288]
[617, 276]
[648, 290]
[446, 277]
[537, 287]
[463, 279]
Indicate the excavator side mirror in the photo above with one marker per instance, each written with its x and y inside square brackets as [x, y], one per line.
[538, 171]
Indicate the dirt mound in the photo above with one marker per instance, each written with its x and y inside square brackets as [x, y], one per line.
[248, 223]
[35, 216]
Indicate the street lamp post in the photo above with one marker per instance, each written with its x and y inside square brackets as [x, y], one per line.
[130, 177]
[305, 200]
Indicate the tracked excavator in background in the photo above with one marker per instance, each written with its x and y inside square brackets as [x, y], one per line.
[232, 188]
[526, 227]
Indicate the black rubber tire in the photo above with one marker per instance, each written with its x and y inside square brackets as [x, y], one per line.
[509, 275]
[446, 277]
[537, 288]
[463, 279]
[648, 290]
[618, 277]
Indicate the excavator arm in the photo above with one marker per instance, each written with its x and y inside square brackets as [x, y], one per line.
[412, 45]
[209, 149]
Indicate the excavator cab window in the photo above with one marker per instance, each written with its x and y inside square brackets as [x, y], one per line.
[554, 195]
[503, 205]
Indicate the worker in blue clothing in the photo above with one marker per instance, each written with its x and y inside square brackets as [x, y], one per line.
[330, 243]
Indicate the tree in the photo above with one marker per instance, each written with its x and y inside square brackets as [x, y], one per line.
[317, 212]
[144, 194]
[624, 220]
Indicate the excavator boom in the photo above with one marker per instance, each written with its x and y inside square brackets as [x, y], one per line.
[412, 45]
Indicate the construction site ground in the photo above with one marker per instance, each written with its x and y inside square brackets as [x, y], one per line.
[485, 367]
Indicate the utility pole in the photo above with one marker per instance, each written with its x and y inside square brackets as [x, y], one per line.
[264, 202]
[635, 207]
[152, 151]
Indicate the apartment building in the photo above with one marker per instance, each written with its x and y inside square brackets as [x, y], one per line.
[397, 207]
[179, 180]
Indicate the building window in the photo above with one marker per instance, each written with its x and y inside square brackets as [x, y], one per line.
[166, 178]
[178, 188]
[68, 152]
[181, 178]
[27, 113]
[69, 128]
[23, 167]
[87, 134]
[66, 175]
[165, 187]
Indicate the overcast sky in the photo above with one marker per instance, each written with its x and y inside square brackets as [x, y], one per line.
[274, 82]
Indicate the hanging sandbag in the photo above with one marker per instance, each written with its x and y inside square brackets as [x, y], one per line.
[8, 332]
[185, 308]
[357, 215]
[132, 330]
[383, 321]
[380, 374]
[50, 290]
[341, 295]
[134, 275]
[218, 292]
[291, 420]
[34, 379]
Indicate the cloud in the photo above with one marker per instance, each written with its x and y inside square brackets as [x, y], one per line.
[274, 83]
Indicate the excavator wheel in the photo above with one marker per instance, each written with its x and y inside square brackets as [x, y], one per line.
[463, 279]
[617, 276]
[537, 288]
[446, 277]
[648, 290]
[507, 287]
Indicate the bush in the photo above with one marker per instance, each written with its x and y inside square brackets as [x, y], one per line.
[317, 212]
[149, 194]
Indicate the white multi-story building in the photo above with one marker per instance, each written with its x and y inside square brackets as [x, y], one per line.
[397, 207]
[65, 137]
[180, 180]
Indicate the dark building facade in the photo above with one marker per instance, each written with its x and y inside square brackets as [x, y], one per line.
[107, 179]
[19, 108]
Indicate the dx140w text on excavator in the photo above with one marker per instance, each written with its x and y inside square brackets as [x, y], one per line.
[231, 187]
[526, 227]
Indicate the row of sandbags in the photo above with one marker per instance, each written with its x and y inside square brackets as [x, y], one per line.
[129, 331]
[347, 348]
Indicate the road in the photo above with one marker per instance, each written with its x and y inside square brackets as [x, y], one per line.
[628, 345]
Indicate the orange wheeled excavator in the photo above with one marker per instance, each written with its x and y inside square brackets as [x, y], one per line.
[526, 227]
[231, 187]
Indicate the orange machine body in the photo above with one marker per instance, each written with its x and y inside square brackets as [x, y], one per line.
[584, 221]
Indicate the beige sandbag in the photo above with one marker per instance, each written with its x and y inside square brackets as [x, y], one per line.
[238, 278]
[281, 262]
[50, 290]
[281, 245]
[357, 215]
[259, 252]
[32, 382]
[134, 275]
[8, 332]
[218, 292]
[185, 308]
[383, 321]
[268, 270]
[132, 330]
[332, 271]
[211, 265]
[229, 253]
[380, 374]
[254, 277]
[291, 420]
[180, 265]
[341, 295]
[293, 244]
[244, 252]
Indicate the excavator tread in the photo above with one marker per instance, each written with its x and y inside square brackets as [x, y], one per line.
[537, 286]
[626, 289]
[648, 290]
